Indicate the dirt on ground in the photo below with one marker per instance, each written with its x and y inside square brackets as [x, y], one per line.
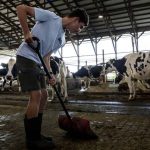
[116, 131]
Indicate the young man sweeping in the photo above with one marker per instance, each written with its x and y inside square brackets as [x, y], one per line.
[50, 30]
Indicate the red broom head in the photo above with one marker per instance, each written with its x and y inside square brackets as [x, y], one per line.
[76, 126]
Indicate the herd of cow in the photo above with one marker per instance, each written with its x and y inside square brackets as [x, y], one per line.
[8, 73]
[133, 69]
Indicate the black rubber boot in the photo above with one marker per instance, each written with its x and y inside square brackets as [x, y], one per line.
[33, 137]
[40, 116]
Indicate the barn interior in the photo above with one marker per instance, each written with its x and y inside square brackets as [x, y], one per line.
[119, 123]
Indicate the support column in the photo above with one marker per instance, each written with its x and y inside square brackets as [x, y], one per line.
[78, 54]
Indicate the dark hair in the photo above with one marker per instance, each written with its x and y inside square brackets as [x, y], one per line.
[82, 14]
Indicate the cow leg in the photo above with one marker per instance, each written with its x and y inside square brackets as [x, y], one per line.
[64, 89]
[122, 81]
[134, 83]
[147, 85]
[63, 82]
[88, 83]
[50, 92]
[59, 88]
[3, 86]
[141, 85]
[131, 92]
[82, 84]
[130, 85]
[144, 85]
[53, 93]
[10, 85]
[18, 83]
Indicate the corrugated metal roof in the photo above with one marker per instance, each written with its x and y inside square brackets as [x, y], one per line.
[119, 17]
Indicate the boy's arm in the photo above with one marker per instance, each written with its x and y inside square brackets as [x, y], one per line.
[52, 81]
[23, 11]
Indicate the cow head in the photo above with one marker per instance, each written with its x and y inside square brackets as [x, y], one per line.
[83, 72]
[96, 71]
[11, 67]
[110, 66]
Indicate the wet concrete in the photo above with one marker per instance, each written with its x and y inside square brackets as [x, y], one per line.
[136, 107]
[120, 125]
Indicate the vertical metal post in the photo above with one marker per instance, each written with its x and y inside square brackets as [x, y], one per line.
[85, 63]
[136, 42]
[103, 55]
[96, 50]
[133, 44]
[114, 42]
[78, 54]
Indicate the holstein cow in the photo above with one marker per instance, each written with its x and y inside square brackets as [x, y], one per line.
[59, 71]
[9, 73]
[88, 73]
[133, 67]
[142, 85]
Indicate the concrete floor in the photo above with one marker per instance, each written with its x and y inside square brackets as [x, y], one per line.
[121, 129]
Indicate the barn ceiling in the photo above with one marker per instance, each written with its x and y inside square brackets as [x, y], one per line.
[119, 17]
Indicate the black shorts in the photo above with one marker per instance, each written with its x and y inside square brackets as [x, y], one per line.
[30, 75]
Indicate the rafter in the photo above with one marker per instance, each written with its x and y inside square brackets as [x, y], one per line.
[121, 16]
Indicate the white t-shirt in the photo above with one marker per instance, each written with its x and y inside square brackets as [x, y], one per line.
[48, 29]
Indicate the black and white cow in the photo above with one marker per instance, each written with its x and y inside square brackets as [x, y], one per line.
[142, 85]
[59, 71]
[134, 67]
[87, 74]
[9, 73]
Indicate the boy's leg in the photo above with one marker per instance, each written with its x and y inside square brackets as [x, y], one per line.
[29, 77]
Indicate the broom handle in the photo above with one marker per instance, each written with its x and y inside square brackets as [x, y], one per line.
[36, 49]
[58, 95]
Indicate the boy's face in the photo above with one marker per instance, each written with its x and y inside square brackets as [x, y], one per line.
[76, 26]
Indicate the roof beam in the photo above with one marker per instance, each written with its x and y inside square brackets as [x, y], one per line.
[106, 17]
[130, 15]
[12, 25]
